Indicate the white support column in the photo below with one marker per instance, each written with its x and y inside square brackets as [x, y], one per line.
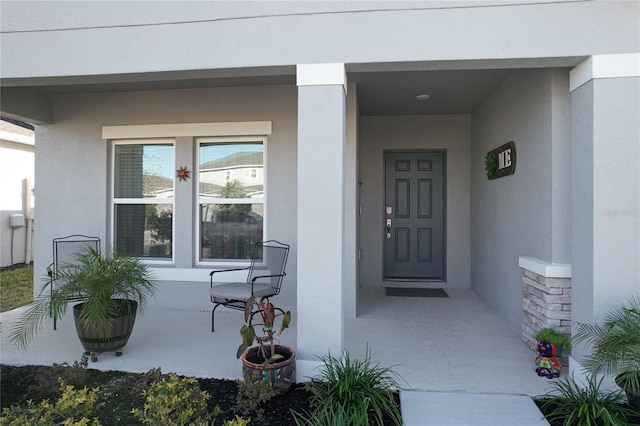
[605, 66]
[321, 157]
[605, 93]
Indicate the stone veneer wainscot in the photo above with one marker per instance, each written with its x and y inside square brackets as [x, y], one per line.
[546, 297]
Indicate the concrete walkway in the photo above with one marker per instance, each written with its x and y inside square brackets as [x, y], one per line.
[468, 409]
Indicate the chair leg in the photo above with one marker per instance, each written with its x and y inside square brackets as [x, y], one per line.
[213, 312]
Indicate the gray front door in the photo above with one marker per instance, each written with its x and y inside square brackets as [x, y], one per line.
[414, 215]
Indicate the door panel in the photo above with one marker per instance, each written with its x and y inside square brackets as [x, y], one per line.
[425, 244]
[403, 198]
[425, 198]
[414, 203]
[402, 249]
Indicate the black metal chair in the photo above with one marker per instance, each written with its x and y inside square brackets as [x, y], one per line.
[264, 278]
[65, 250]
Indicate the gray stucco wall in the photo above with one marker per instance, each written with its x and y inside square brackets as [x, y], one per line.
[513, 216]
[94, 38]
[448, 132]
[73, 176]
[606, 196]
[72, 185]
[616, 191]
[582, 207]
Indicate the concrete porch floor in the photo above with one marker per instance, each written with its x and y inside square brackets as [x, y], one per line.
[445, 344]
[441, 346]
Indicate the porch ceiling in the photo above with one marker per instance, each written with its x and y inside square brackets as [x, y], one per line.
[450, 91]
[455, 87]
[379, 93]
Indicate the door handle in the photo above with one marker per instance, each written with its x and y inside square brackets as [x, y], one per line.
[388, 228]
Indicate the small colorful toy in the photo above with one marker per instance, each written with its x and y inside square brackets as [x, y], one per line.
[547, 362]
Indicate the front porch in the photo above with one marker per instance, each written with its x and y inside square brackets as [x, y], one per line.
[436, 344]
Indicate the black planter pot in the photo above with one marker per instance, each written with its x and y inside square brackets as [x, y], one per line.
[281, 375]
[632, 397]
[121, 327]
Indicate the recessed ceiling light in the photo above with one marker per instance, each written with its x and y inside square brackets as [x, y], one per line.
[423, 97]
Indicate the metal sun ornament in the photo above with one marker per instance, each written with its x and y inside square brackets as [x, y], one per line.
[183, 174]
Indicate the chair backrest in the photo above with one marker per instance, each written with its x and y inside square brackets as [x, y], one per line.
[269, 259]
[65, 249]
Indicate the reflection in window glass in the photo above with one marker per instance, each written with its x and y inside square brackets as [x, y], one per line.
[230, 171]
[144, 230]
[226, 170]
[143, 171]
[143, 182]
[229, 231]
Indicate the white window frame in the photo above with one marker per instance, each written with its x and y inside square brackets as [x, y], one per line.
[167, 201]
[140, 132]
[213, 200]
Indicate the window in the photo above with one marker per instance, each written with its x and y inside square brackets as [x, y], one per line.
[143, 184]
[231, 198]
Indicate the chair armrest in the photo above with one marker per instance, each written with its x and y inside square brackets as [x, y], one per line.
[267, 276]
[253, 280]
[227, 270]
[224, 270]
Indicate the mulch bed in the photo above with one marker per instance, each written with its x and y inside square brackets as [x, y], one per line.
[540, 403]
[122, 392]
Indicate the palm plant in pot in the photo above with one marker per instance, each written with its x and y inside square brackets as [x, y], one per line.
[616, 347]
[267, 361]
[110, 289]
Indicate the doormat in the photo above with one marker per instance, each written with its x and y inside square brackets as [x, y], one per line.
[415, 292]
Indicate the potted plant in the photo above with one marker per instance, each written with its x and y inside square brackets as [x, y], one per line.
[616, 347]
[267, 361]
[560, 340]
[110, 289]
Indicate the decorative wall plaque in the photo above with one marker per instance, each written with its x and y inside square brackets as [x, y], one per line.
[501, 161]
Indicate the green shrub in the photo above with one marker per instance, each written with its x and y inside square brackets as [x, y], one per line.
[73, 408]
[351, 392]
[174, 401]
[237, 421]
[47, 379]
[251, 396]
[146, 380]
[572, 404]
[552, 336]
